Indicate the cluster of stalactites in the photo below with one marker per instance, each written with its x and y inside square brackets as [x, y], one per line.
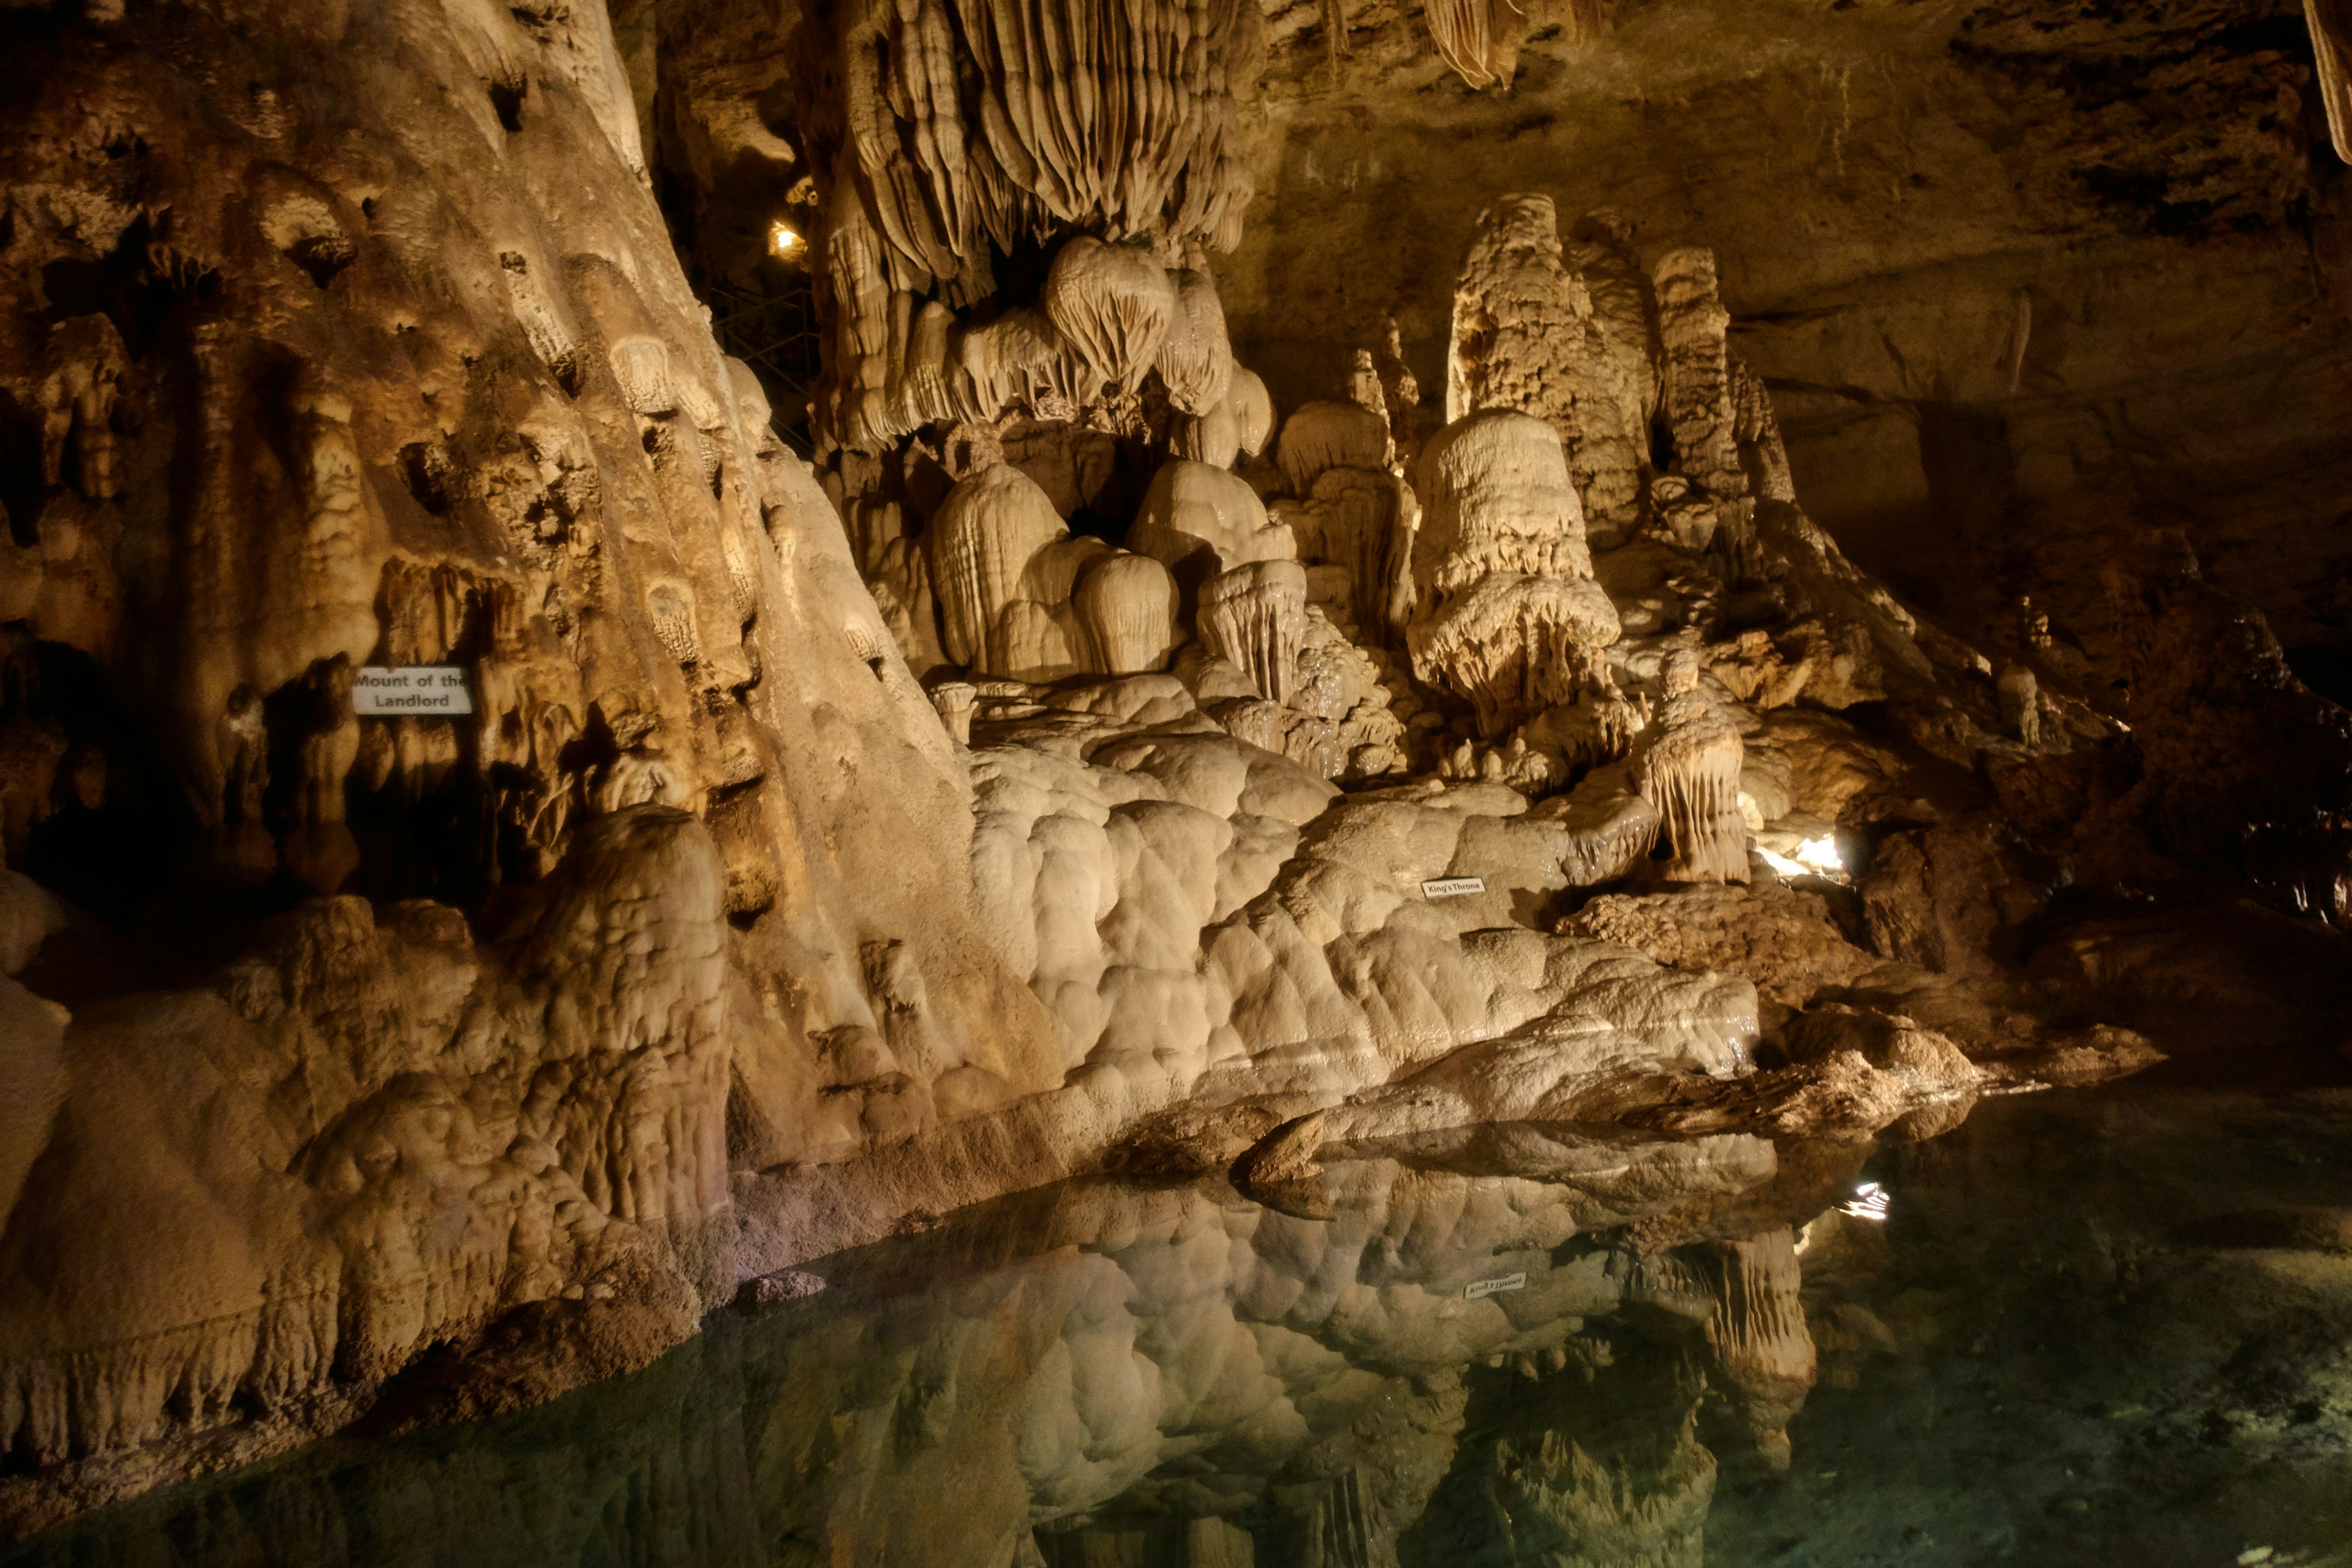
[1689, 769]
[971, 121]
[1109, 317]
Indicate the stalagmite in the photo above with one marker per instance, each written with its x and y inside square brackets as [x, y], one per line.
[1319, 436]
[1035, 642]
[1757, 1338]
[2021, 701]
[1689, 768]
[954, 700]
[1698, 392]
[84, 359]
[1363, 522]
[1569, 344]
[1128, 604]
[1254, 616]
[1507, 612]
[980, 543]
[1198, 521]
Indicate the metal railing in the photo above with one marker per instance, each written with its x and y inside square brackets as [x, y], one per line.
[776, 335]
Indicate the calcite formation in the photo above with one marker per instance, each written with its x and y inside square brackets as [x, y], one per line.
[2331, 46]
[1570, 343]
[1689, 764]
[1507, 612]
[1254, 617]
[1194, 1369]
[504, 850]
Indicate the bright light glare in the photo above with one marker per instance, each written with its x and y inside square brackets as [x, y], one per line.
[782, 239]
[1870, 1201]
[1814, 857]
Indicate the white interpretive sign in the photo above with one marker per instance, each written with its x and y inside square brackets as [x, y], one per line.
[1453, 886]
[430, 690]
[1485, 1287]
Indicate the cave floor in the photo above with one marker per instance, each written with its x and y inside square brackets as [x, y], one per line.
[2095, 1326]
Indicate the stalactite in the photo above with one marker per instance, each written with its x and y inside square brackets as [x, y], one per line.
[1689, 769]
[1480, 38]
[2331, 44]
[1255, 617]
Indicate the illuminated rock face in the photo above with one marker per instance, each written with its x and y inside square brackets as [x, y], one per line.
[1078, 763]
[381, 357]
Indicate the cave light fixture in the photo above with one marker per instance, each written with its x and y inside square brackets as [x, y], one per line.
[1813, 858]
[1870, 1201]
[784, 239]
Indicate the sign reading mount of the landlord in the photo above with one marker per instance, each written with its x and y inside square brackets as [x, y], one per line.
[427, 691]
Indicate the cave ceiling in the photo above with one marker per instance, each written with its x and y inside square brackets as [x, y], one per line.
[2016, 273]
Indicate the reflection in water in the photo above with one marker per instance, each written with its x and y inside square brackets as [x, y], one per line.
[1122, 1376]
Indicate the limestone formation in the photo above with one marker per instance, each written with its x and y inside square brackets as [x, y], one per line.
[1689, 764]
[1698, 387]
[1569, 344]
[1113, 305]
[1198, 521]
[990, 529]
[949, 128]
[955, 700]
[503, 854]
[1362, 522]
[1128, 604]
[1480, 38]
[1254, 617]
[2331, 46]
[1507, 612]
[1196, 361]
[1253, 410]
[1321, 436]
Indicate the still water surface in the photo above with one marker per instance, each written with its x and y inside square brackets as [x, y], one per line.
[2108, 1326]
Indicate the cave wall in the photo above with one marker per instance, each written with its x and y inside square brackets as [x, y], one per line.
[2022, 278]
[353, 336]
